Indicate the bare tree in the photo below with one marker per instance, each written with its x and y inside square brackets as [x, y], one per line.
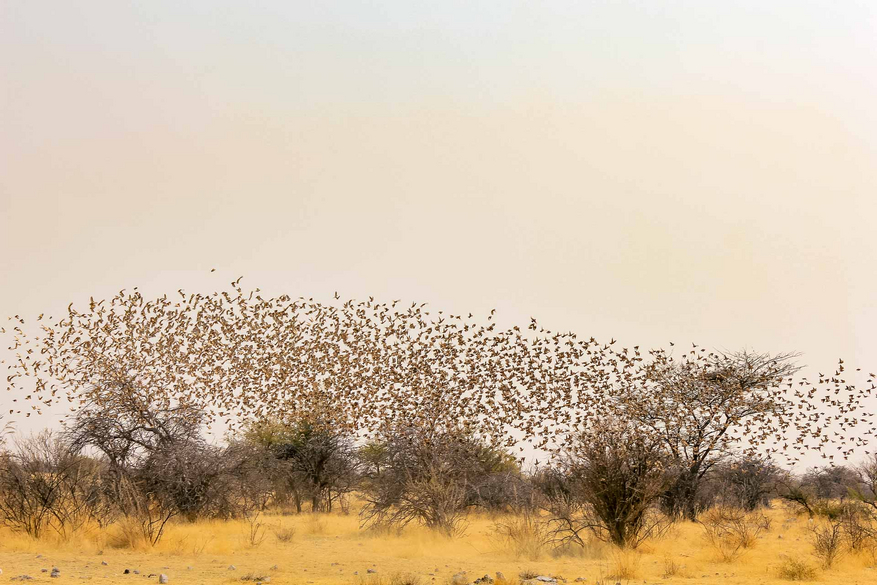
[44, 485]
[128, 424]
[748, 482]
[832, 482]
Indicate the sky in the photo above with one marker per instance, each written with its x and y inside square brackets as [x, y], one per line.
[650, 171]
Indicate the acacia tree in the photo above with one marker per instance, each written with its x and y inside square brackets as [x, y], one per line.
[700, 407]
[129, 424]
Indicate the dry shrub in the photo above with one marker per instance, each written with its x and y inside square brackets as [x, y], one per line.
[404, 579]
[394, 579]
[827, 540]
[316, 524]
[47, 487]
[284, 533]
[671, 568]
[625, 565]
[127, 533]
[145, 510]
[795, 570]
[730, 531]
[256, 531]
[608, 486]
[525, 534]
[858, 528]
[430, 476]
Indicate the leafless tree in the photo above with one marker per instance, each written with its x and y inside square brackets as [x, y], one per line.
[45, 485]
[130, 424]
[833, 482]
[748, 482]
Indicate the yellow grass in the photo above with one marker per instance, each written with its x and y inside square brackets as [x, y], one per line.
[329, 549]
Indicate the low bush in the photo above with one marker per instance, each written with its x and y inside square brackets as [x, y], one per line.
[796, 570]
[526, 535]
[730, 531]
[827, 540]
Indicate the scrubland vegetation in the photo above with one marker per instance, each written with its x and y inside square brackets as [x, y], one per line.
[376, 446]
[262, 506]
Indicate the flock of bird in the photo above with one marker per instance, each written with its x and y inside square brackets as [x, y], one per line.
[368, 366]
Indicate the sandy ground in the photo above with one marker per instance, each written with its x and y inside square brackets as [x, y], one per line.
[331, 549]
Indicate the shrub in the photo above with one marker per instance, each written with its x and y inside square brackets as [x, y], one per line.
[46, 485]
[320, 463]
[858, 527]
[746, 482]
[256, 530]
[827, 540]
[796, 570]
[625, 565]
[671, 568]
[608, 486]
[730, 531]
[430, 476]
[525, 534]
[284, 533]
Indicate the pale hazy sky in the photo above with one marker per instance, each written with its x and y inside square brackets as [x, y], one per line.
[653, 171]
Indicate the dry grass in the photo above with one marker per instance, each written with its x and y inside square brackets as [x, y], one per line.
[672, 568]
[331, 549]
[284, 533]
[730, 532]
[796, 570]
[625, 565]
[526, 535]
